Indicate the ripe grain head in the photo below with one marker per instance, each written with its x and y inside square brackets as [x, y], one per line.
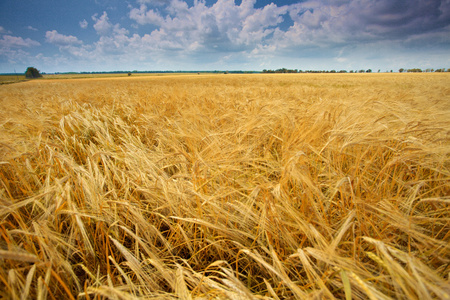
[235, 186]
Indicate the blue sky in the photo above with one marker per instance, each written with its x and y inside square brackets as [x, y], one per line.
[107, 35]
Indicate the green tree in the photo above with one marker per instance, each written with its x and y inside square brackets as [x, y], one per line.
[32, 72]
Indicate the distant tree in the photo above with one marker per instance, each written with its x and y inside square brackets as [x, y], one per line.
[32, 72]
[369, 71]
[129, 73]
[401, 70]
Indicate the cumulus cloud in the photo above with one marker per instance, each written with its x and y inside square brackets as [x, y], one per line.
[32, 28]
[224, 26]
[307, 28]
[154, 2]
[112, 45]
[11, 48]
[84, 24]
[102, 24]
[143, 16]
[59, 39]
[104, 27]
[176, 33]
[366, 20]
[4, 31]
[8, 42]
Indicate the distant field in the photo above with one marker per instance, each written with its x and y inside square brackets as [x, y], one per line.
[11, 78]
[4, 79]
[285, 186]
[107, 75]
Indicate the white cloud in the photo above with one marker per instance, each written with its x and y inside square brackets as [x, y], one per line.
[325, 23]
[84, 24]
[59, 39]
[260, 24]
[11, 48]
[102, 24]
[209, 34]
[13, 57]
[4, 31]
[222, 27]
[104, 27]
[153, 2]
[178, 7]
[32, 28]
[112, 45]
[8, 42]
[142, 16]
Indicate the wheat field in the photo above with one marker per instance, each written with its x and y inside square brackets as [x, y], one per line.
[299, 186]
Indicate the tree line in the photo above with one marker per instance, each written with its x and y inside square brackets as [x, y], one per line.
[284, 70]
[401, 70]
[32, 72]
[417, 70]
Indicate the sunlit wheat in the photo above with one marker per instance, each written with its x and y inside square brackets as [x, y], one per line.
[226, 187]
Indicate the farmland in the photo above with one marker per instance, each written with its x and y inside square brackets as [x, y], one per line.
[6, 79]
[303, 186]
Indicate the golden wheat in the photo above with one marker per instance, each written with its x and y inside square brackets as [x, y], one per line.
[227, 187]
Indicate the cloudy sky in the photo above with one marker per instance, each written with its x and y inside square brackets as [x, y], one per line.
[107, 35]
